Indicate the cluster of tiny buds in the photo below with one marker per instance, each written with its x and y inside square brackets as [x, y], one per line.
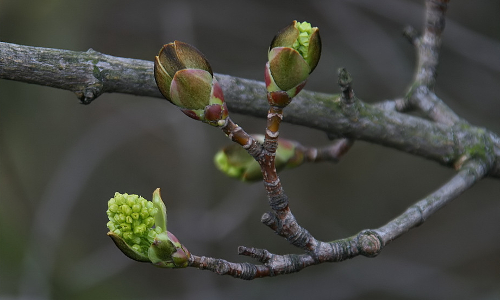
[132, 218]
[302, 42]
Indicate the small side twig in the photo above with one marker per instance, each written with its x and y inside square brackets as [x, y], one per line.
[427, 45]
[345, 83]
[332, 152]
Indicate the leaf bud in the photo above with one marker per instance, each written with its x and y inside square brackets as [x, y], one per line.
[185, 78]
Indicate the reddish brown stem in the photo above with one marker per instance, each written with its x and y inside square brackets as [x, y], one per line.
[271, 179]
[236, 134]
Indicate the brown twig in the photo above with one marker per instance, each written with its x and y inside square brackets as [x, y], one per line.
[281, 219]
[236, 134]
[367, 243]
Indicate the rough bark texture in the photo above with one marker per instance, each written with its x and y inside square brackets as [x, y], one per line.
[90, 74]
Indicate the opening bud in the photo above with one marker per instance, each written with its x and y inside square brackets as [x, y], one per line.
[145, 238]
[293, 54]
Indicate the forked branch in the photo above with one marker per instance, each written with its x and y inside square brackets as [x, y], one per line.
[368, 243]
[443, 137]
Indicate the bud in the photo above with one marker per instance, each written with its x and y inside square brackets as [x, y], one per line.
[294, 53]
[235, 161]
[185, 78]
[167, 252]
[139, 229]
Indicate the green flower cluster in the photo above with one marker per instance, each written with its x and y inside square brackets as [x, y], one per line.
[301, 44]
[132, 217]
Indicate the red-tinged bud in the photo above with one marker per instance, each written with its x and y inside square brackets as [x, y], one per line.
[294, 53]
[185, 78]
[181, 258]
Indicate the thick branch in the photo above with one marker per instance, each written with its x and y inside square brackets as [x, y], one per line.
[89, 74]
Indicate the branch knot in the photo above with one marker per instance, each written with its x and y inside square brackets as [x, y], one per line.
[369, 243]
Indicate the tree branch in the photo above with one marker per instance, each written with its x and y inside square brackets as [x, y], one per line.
[90, 74]
[472, 164]
[421, 93]
[415, 215]
[447, 139]
[368, 242]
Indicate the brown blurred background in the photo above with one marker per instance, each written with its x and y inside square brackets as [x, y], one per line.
[61, 161]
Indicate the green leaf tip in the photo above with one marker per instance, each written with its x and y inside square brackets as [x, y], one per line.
[308, 43]
[161, 216]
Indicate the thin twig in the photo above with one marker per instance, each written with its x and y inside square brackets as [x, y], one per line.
[332, 152]
[367, 243]
[416, 214]
[281, 219]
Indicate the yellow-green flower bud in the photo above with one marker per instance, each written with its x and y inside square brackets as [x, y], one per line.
[139, 229]
[126, 223]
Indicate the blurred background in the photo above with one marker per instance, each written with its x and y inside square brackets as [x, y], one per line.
[61, 161]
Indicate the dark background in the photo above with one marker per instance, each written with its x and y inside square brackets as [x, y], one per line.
[61, 161]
